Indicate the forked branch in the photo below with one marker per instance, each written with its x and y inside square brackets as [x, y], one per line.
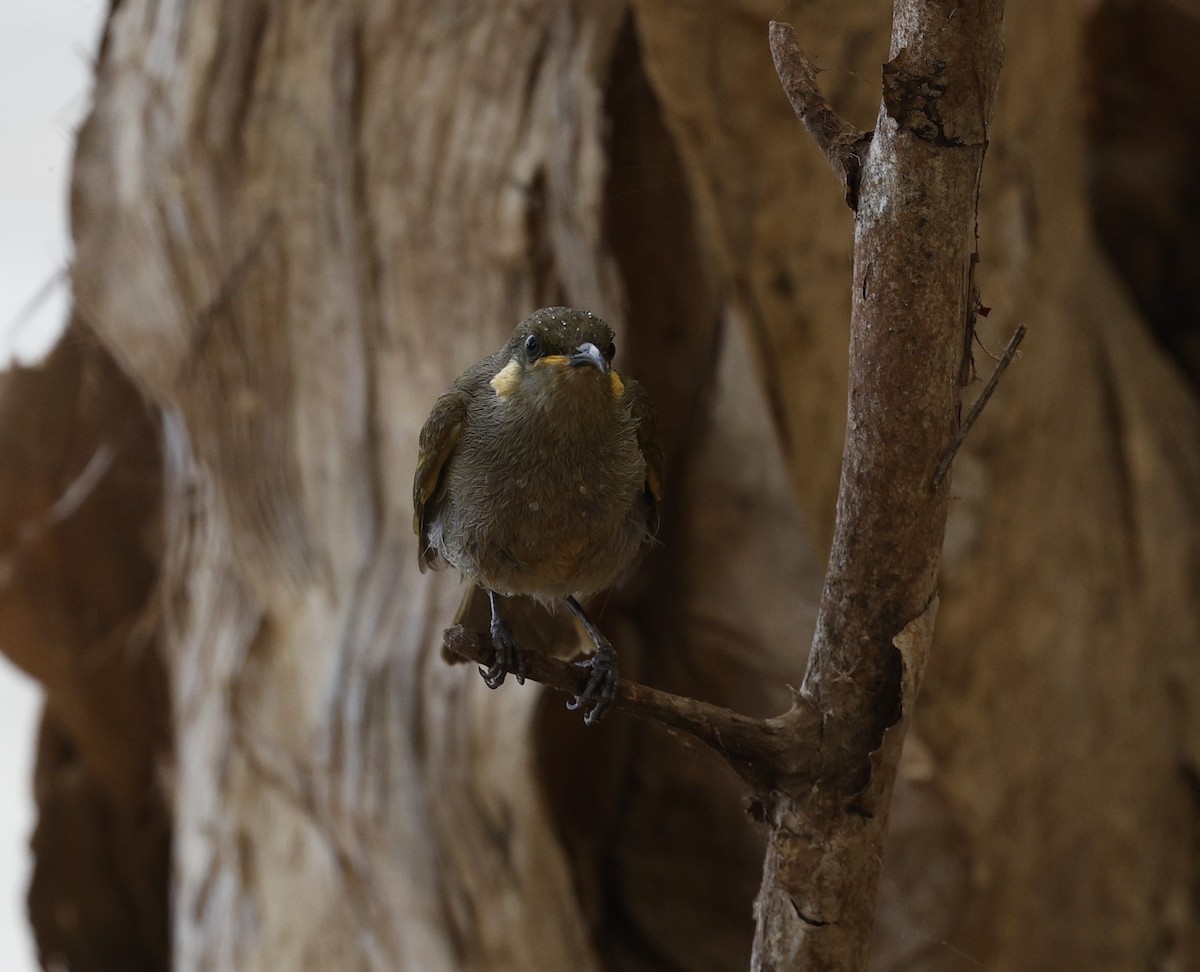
[843, 144]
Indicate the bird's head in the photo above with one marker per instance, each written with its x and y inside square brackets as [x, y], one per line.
[557, 351]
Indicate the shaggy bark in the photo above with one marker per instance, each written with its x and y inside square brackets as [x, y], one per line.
[295, 223]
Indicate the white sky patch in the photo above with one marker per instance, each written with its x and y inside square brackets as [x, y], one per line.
[46, 49]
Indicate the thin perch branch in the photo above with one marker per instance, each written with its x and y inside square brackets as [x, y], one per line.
[843, 144]
[1006, 359]
[751, 746]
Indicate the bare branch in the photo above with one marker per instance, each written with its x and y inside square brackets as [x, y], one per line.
[913, 236]
[753, 747]
[843, 144]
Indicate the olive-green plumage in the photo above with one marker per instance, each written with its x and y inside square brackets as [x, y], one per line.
[539, 470]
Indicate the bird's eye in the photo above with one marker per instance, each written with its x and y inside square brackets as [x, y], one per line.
[533, 347]
[611, 352]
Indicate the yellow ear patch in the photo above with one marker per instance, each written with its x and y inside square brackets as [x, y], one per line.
[618, 386]
[506, 378]
[653, 483]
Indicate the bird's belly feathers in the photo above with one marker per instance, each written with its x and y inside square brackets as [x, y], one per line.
[549, 518]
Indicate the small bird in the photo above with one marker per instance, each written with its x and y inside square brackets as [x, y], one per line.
[539, 474]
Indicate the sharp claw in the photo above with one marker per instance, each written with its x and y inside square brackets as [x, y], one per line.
[601, 688]
[507, 657]
[493, 677]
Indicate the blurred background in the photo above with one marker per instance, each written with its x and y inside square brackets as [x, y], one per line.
[46, 54]
[296, 223]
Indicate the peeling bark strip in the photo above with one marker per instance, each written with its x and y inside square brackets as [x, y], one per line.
[918, 100]
[914, 249]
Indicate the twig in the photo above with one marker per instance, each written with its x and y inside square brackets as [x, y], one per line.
[1006, 358]
[843, 144]
[751, 746]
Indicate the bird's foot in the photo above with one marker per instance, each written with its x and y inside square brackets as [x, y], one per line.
[507, 658]
[601, 688]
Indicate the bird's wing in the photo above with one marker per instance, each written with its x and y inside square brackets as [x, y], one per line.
[438, 439]
[650, 442]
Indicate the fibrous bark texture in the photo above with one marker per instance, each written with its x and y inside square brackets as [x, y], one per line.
[294, 224]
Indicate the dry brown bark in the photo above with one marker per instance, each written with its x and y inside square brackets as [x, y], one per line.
[79, 504]
[913, 307]
[294, 223]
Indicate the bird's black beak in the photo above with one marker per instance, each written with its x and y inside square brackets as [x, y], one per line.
[588, 354]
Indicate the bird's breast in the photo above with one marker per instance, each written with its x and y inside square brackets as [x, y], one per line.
[545, 501]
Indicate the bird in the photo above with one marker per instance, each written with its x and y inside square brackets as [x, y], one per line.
[539, 474]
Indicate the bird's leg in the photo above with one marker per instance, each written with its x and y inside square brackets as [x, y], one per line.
[602, 685]
[508, 657]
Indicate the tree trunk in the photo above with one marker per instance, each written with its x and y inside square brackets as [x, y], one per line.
[294, 224]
